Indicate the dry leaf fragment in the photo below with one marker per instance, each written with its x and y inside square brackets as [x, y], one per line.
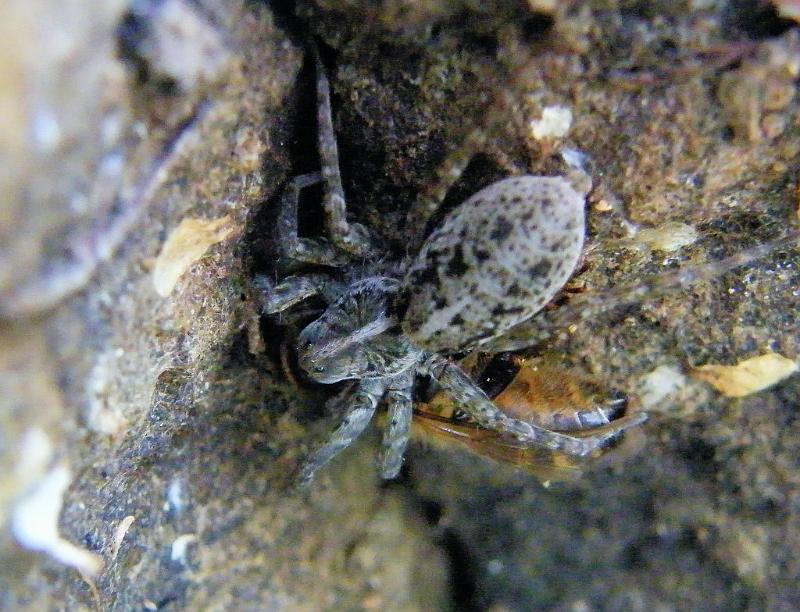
[186, 244]
[748, 376]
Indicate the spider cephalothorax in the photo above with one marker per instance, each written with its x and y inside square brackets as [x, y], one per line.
[494, 261]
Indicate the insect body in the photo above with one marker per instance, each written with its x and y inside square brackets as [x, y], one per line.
[493, 263]
[549, 396]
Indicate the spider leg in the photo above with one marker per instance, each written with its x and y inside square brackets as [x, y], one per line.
[398, 428]
[308, 250]
[352, 238]
[294, 289]
[448, 172]
[475, 402]
[362, 406]
[478, 139]
[591, 305]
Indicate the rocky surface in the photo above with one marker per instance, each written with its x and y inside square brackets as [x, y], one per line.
[170, 409]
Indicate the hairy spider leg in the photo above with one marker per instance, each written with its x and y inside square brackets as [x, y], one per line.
[588, 306]
[448, 172]
[307, 250]
[398, 427]
[475, 402]
[492, 120]
[294, 289]
[352, 238]
[363, 403]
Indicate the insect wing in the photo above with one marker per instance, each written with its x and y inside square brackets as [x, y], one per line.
[550, 397]
[544, 464]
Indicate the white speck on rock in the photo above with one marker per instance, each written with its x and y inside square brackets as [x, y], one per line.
[119, 535]
[659, 384]
[175, 500]
[46, 130]
[35, 452]
[180, 545]
[555, 123]
[103, 413]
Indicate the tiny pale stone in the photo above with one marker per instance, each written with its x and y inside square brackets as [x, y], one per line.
[555, 123]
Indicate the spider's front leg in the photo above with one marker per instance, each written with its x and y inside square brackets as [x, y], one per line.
[292, 290]
[346, 239]
[449, 171]
[362, 406]
[475, 402]
[307, 250]
[398, 427]
[351, 238]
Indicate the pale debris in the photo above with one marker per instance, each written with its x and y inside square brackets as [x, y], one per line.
[183, 44]
[668, 237]
[35, 452]
[104, 415]
[555, 123]
[180, 545]
[748, 376]
[119, 535]
[175, 498]
[186, 244]
[34, 523]
[543, 6]
[664, 381]
[788, 9]
[749, 551]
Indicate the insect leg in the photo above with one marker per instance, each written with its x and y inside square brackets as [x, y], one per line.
[362, 406]
[350, 237]
[398, 428]
[475, 402]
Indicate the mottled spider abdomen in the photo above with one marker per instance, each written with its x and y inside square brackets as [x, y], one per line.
[495, 261]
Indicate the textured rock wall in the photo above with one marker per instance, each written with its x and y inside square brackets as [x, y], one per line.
[149, 432]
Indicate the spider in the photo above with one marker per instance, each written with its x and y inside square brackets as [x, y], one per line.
[494, 261]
